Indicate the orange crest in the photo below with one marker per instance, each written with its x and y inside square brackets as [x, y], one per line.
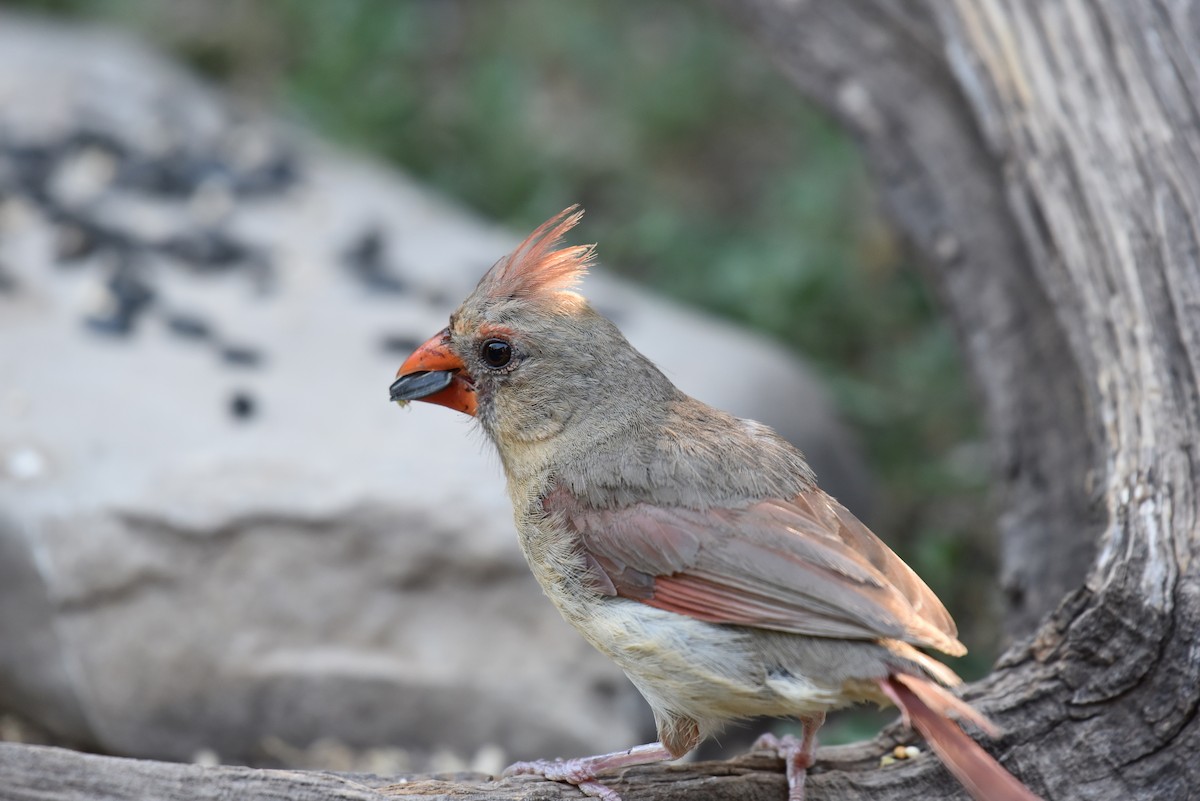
[538, 266]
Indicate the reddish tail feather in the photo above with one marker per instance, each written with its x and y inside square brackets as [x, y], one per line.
[925, 706]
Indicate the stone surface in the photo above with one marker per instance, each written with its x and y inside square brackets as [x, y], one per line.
[215, 532]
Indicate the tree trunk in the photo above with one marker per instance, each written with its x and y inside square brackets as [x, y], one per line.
[1044, 158]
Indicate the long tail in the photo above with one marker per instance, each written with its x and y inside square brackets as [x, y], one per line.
[926, 706]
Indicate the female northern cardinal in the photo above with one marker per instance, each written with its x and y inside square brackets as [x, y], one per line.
[691, 547]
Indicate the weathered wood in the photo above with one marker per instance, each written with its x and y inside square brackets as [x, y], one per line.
[888, 71]
[1044, 157]
[38, 773]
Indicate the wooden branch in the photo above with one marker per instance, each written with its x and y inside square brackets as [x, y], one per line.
[884, 68]
[87, 777]
[37, 773]
[1043, 157]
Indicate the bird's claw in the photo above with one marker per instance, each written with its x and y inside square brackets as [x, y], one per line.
[598, 790]
[775, 744]
[572, 771]
[796, 752]
[578, 772]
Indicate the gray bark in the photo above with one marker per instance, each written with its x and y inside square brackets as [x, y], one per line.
[39, 773]
[1044, 158]
[906, 80]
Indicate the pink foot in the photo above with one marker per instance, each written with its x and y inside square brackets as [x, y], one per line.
[797, 753]
[582, 771]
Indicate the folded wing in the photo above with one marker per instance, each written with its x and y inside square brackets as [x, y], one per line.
[803, 565]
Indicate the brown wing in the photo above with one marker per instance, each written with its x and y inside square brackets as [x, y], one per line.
[804, 565]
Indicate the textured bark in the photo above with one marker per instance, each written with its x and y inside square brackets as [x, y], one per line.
[908, 84]
[1044, 157]
[39, 773]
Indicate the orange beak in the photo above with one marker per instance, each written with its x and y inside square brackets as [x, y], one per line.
[435, 374]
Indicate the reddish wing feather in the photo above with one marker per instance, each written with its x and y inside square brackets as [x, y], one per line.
[857, 536]
[804, 566]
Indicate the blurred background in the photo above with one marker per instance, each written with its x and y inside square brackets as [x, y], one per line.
[706, 178]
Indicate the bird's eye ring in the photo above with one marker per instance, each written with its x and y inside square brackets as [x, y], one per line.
[496, 353]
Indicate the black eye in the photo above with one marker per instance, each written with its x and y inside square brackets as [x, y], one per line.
[496, 352]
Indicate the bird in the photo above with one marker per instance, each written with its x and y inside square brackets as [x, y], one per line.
[691, 547]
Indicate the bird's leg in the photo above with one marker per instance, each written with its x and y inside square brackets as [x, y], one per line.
[582, 770]
[797, 755]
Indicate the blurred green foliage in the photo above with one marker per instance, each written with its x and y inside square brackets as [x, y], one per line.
[704, 173]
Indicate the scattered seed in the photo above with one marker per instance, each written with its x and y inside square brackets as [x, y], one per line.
[128, 297]
[368, 260]
[242, 406]
[241, 355]
[209, 251]
[188, 326]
